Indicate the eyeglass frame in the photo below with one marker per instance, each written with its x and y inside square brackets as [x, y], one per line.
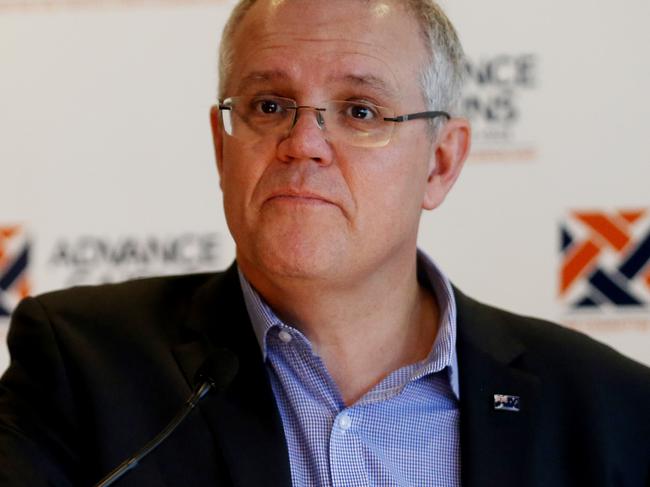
[397, 119]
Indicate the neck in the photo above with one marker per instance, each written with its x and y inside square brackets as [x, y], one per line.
[363, 330]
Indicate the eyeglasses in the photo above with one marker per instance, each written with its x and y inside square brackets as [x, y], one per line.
[356, 123]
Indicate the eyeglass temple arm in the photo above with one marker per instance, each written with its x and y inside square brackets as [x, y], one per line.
[413, 116]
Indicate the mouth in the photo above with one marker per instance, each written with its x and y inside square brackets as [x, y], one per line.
[300, 198]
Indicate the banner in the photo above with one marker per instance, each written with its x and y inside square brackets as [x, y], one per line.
[108, 169]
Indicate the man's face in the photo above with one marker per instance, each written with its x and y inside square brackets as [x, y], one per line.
[305, 206]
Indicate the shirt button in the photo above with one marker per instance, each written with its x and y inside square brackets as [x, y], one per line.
[285, 336]
[345, 421]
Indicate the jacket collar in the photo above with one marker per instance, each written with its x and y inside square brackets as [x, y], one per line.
[243, 417]
[495, 444]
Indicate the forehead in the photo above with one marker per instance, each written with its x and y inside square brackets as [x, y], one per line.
[318, 43]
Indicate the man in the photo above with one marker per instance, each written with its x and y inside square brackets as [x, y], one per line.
[358, 363]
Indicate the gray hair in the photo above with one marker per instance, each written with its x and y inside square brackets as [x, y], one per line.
[442, 77]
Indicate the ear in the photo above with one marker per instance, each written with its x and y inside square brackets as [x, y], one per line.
[449, 153]
[217, 138]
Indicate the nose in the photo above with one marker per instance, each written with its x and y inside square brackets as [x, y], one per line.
[306, 139]
[318, 112]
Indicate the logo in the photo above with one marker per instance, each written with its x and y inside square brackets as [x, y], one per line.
[14, 260]
[606, 261]
[496, 101]
[91, 259]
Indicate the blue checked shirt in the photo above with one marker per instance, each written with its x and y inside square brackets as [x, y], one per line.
[403, 432]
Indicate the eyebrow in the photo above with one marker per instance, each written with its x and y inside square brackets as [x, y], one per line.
[369, 81]
[257, 77]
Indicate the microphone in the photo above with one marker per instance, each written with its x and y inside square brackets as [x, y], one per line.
[216, 373]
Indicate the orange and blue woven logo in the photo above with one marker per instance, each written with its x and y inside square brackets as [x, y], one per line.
[14, 260]
[606, 259]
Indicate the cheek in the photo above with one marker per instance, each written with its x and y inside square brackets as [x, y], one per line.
[390, 193]
[243, 167]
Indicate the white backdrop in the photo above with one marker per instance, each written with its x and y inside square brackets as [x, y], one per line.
[108, 172]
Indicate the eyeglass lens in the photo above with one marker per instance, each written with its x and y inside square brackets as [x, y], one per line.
[351, 122]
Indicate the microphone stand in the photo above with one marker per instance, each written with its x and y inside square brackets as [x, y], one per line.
[132, 462]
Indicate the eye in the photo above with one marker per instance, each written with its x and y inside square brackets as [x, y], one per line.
[362, 111]
[268, 106]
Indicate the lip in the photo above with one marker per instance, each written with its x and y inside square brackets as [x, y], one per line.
[300, 197]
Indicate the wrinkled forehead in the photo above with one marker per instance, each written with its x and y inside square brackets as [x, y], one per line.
[323, 11]
[374, 41]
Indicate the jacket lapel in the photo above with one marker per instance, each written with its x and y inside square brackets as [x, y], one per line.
[244, 417]
[495, 443]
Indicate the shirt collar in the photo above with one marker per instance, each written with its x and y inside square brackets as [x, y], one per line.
[262, 316]
[443, 352]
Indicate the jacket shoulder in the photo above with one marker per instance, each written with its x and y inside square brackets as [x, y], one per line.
[566, 355]
[131, 291]
[151, 295]
[133, 311]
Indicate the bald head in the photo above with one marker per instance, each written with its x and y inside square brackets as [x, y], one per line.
[440, 76]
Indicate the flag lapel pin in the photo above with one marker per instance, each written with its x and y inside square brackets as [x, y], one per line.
[504, 402]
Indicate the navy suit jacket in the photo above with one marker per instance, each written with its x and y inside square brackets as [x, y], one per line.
[98, 371]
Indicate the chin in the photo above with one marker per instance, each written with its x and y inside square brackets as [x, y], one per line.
[300, 243]
[299, 256]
